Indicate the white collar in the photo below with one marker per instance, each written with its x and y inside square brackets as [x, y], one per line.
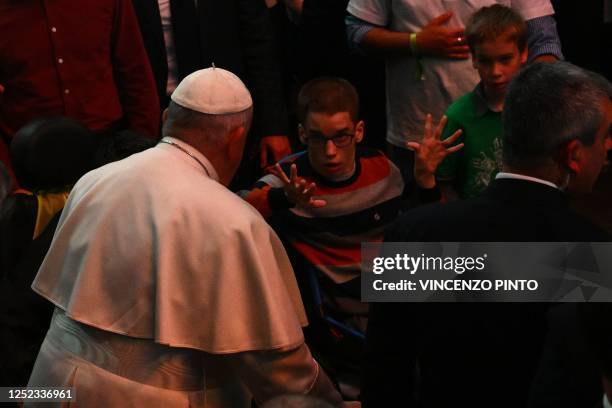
[606, 402]
[195, 153]
[506, 175]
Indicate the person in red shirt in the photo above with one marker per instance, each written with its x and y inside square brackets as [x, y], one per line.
[87, 63]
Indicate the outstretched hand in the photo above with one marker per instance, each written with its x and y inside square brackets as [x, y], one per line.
[441, 41]
[297, 189]
[430, 151]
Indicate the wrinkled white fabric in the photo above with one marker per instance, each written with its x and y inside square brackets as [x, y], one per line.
[170, 291]
[151, 247]
[106, 369]
[112, 370]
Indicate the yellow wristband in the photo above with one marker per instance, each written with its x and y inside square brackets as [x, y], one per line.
[413, 44]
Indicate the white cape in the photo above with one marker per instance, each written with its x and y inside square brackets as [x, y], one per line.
[152, 247]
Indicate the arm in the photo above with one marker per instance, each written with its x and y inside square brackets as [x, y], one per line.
[266, 196]
[268, 374]
[133, 75]
[543, 40]
[434, 40]
[447, 169]
[277, 191]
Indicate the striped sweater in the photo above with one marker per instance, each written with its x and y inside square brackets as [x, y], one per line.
[358, 209]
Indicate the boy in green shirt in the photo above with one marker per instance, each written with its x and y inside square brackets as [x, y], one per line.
[497, 39]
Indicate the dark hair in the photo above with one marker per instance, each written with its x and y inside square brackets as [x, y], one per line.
[489, 23]
[328, 95]
[119, 145]
[52, 153]
[548, 104]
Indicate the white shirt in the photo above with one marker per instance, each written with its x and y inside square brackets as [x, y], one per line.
[506, 175]
[410, 99]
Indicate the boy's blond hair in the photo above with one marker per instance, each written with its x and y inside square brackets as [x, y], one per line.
[489, 23]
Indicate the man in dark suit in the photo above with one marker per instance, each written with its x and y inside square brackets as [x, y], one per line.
[182, 36]
[557, 124]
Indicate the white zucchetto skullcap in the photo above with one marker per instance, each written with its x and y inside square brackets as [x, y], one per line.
[212, 90]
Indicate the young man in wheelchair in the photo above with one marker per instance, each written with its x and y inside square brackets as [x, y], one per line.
[325, 201]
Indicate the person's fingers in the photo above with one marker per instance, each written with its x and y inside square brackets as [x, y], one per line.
[456, 33]
[428, 125]
[455, 148]
[455, 48]
[317, 203]
[441, 19]
[451, 139]
[414, 146]
[293, 172]
[310, 188]
[455, 55]
[278, 170]
[302, 186]
[297, 184]
[440, 127]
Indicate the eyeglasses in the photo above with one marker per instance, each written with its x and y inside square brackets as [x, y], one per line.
[340, 140]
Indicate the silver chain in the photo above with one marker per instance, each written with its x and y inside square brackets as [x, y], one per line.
[181, 148]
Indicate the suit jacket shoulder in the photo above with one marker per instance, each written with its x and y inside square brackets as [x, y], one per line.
[509, 210]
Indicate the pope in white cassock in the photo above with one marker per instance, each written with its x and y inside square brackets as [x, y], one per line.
[170, 291]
